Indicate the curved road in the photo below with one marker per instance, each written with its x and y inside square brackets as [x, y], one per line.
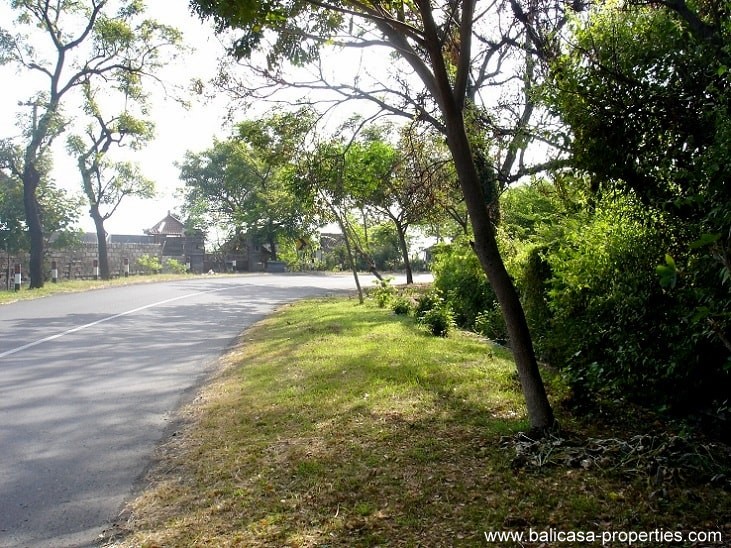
[89, 382]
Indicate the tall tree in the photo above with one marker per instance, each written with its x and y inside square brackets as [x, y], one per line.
[107, 183]
[66, 44]
[449, 47]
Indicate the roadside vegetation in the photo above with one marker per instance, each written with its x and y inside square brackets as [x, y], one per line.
[336, 424]
[75, 286]
[578, 193]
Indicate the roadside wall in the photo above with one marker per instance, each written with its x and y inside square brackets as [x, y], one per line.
[79, 262]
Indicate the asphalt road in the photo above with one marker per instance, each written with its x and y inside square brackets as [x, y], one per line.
[89, 383]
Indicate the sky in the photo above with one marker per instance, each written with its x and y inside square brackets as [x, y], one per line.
[177, 129]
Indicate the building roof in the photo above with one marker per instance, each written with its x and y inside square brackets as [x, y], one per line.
[170, 225]
[130, 239]
[86, 238]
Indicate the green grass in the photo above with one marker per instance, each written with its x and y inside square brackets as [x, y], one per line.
[333, 424]
[75, 286]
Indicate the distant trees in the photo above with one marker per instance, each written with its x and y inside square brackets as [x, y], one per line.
[242, 182]
[69, 45]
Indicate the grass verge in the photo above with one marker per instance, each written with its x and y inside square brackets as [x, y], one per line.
[333, 424]
[76, 286]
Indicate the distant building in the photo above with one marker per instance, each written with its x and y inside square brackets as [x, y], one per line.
[177, 243]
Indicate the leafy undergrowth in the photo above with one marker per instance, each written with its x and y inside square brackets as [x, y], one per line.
[333, 424]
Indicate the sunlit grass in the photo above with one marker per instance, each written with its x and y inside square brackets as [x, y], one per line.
[333, 424]
[75, 286]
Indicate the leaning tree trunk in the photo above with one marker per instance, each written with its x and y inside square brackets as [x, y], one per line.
[351, 257]
[31, 179]
[101, 243]
[540, 413]
[401, 231]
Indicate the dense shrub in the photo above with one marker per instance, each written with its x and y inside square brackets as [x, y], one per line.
[614, 328]
[626, 300]
[459, 277]
[384, 292]
[402, 305]
[175, 266]
[149, 264]
[491, 324]
[427, 301]
[435, 312]
[439, 320]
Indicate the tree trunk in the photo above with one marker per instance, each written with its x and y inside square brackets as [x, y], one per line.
[401, 231]
[351, 257]
[272, 243]
[540, 413]
[31, 179]
[101, 243]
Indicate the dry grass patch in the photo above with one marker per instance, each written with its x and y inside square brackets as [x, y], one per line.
[76, 286]
[341, 425]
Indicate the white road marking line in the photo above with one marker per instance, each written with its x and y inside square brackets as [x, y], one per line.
[81, 327]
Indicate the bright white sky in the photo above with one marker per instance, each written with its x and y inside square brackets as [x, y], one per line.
[177, 130]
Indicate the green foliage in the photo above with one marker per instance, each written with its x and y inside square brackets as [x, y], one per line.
[435, 313]
[60, 212]
[640, 297]
[384, 292]
[458, 275]
[491, 324]
[402, 305]
[149, 264]
[610, 323]
[247, 181]
[428, 301]
[384, 247]
[175, 266]
[439, 320]
[298, 30]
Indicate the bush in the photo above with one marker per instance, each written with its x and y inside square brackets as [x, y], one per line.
[438, 320]
[615, 329]
[402, 305]
[175, 266]
[491, 324]
[149, 264]
[459, 277]
[384, 292]
[428, 301]
[601, 309]
[434, 312]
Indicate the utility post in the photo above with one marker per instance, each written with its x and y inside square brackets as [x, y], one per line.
[6, 230]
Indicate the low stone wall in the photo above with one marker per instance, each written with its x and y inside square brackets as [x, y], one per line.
[79, 262]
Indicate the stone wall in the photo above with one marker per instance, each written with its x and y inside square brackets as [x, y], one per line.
[79, 262]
